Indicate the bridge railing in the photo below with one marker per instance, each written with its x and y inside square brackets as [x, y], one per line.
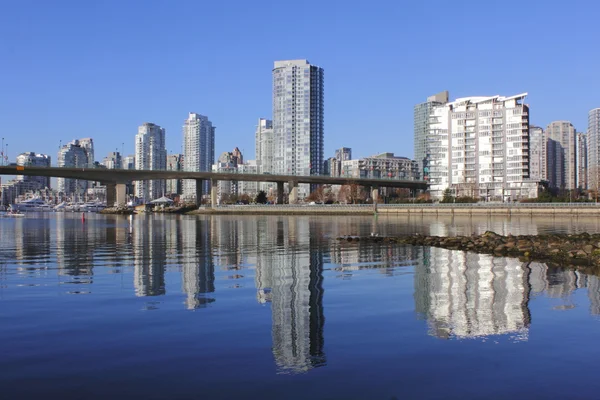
[422, 205]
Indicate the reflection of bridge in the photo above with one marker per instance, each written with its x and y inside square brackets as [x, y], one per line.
[115, 180]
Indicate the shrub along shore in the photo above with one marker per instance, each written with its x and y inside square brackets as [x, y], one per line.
[580, 250]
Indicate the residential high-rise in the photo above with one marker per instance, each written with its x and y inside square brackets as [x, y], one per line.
[479, 146]
[150, 154]
[343, 154]
[73, 155]
[593, 148]
[537, 153]
[298, 107]
[128, 162]
[32, 159]
[113, 160]
[175, 163]
[248, 187]
[198, 151]
[561, 157]
[421, 125]
[581, 163]
[88, 145]
[264, 150]
[264, 146]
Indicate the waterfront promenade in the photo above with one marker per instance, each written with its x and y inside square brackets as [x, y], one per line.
[507, 209]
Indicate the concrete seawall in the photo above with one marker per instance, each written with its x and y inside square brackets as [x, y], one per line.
[390, 210]
[508, 211]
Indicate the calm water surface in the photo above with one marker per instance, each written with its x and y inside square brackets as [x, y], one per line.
[174, 307]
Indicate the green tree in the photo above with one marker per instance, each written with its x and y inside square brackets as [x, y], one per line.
[261, 197]
[448, 197]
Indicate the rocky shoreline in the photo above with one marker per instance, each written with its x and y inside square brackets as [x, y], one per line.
[117, 211]
[581, 250]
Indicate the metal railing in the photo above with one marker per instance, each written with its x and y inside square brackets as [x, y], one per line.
[419, 205]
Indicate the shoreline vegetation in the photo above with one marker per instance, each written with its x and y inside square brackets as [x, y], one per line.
[581, 251]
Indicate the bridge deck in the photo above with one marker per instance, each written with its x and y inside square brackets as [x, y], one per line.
[128, 175]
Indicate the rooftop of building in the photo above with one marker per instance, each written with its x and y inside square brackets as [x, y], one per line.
[483, 99]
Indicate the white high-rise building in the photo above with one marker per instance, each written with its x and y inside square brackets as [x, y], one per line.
[73, 155]
[264, 145]
[582, 161]
[88, 145]
[248, 187]
[561, 155]
[150, 154]
[264, 150]
[479, 146]
[421, 128]
[593, 148]
[198, 151]
[298, 107]
[32, 159]
[537, 153]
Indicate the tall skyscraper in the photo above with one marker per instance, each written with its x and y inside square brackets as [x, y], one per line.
[298, 107]
[561, 157]
[479, 146]
[150, 154]
[593, 148]
[198, 151]
[88, 145]
[537, 153]
[264, 150]
[73, 155]
[32, 159]
[175, 163]
[421, 125]
[582, 161]
[264, 146]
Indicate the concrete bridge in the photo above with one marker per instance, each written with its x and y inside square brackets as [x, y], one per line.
[116, 179]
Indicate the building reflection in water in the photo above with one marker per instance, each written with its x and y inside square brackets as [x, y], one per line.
[149, 256]
[467, 295]
[561, 284]
[76, 248]
[291, 279]
[197, 267]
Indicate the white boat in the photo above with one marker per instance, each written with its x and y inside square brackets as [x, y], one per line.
[11, 214]
[92, 206]
[61, 206]
[34, 204]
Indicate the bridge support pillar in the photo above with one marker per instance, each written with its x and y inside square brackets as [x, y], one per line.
[214, 186]
[279, 192]
[111, 194]
[199, 184]
[120, 194]
[375, 196]
[293, 196]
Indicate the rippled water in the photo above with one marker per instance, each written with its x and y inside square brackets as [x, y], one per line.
[160, 307]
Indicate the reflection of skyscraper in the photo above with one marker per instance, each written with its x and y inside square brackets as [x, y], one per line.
[468, 295]
[296, 296]
[593, 285]
[149, 256]
[198, 271]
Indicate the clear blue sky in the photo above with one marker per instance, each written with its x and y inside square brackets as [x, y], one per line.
[71, 69]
